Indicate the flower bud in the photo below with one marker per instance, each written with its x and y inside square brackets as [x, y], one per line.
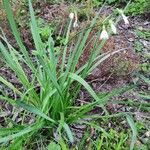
[71, 15]
[104, 34]
[125, 18]
[113, 27]
[75, 24]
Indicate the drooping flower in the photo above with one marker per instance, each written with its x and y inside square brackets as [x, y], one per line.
[71, 16]
[104, 35]
[75, 24]
[113, 27]
[125, 18]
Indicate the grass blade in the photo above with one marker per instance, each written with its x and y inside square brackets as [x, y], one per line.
[69, 133]
[134, 131]
[19, 134]
[85, 84]
[8, 84]
[16, 33]
[34, 110]
[35, 33]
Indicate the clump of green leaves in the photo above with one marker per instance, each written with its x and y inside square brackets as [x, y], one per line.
[145, 67]
[45, 29]
[139, 46]
[119, 140]
[112, 139]
[138, 7]
[145, 34]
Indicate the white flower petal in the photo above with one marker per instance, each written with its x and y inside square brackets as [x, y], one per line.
[75, 24]
[125, 18]
[113, 27]
[126, 21]
[104, 35]
[71, 15]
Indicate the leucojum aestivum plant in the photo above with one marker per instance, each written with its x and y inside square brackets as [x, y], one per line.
[52, 106]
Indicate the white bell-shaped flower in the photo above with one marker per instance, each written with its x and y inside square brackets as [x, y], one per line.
[113, 27]
[71, 16]
[104, 34]
[75, 24]
[125, 18]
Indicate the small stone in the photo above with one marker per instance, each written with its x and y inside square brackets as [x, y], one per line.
[131, 39]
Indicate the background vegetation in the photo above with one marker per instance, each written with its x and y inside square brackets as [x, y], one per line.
[45, 104]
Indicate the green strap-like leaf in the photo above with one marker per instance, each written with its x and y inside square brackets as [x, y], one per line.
[85, 84]
[69, 133]
[10, 85]
[21, 133]
[13, 26]
[134, 131]
[34, 110]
